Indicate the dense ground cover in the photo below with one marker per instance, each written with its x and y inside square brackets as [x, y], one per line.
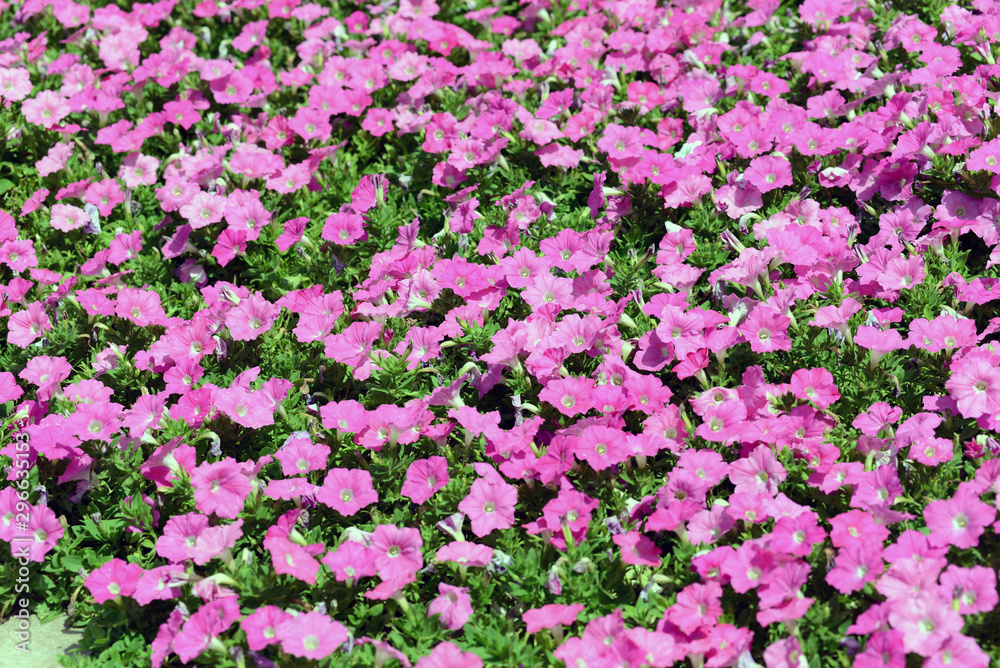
[606, 333]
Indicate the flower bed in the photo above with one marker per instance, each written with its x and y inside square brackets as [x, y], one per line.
[462, 334]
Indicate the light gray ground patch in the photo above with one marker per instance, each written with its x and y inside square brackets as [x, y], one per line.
[47, 642]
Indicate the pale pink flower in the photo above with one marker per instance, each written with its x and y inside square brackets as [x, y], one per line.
[15, 83]
[46, 109]
[975, 386]
[66, 217]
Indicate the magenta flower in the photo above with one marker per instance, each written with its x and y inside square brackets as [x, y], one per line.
[351, 561]
[975, 385]
[15, 83]
[245, 213]
[637, 549]
[796, 535]
[24, 327]
[926, 620]
[758, 473]
[290, 558]
[159, 584]
[768, 173]
[856, 526]
[180, 536]
[252, 410]
[397, 551]
[202, 629]
[490, 505]
[985, 157]
[347, 490]
[299, 455]
[344, 228]
[66, 217]
[570, 396]
[973, 590]
[697, 605]
[251, 318]
[203, 209]
[453, 604]
[815, 385]
[958, 521]
[261, 626]
[45, 373]
[465, 553]
[141, 307]
[448, 655]
[601, 447]
[114, 578]
[548, 616]
[105, 195]
[855, 564]
[570, 508]
[621, 142]
[220, 488]
[424, 478]
[766, 330]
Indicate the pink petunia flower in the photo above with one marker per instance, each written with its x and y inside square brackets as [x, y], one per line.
[351, 561]
[159, 584]
[958, 521]
[15, 83]
[975, 386]
[570, 396]
[621, 142]
[490, 505]
[202, 629]
[637, 549]
[347, 490]
[397, 551]
[926, 620]
[768, 173]
[453, 604]
[24, 327]
[245, 213]
[766, 330]
[261, 626]
[299, 455]
[465, 554]
[856, 563]
[815, 385]
[290, 558]
[141, 307]
[114, 578]
[548, 616]
[220, 488]
[66, 217]
[424, 478]
[46, 109]
[45, 373]
[758, 473]
[449, 655]
[250, 318]
[697, 605]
